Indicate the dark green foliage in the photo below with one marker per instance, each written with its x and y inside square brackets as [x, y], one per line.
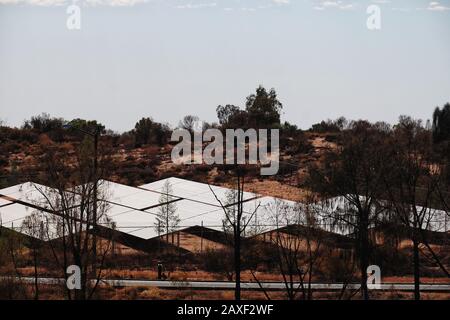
[262, 111]
[43, 123]
[330, 125]
[441, 124]
[263, 108]
[147, 131]
[77, 126]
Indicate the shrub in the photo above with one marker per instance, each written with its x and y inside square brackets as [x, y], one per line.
[220, 261]
[330, 125]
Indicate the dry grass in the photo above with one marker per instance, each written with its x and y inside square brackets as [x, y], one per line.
[275, 189]
[195, 243]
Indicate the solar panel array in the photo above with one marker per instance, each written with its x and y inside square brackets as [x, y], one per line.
[19, 218]
[435, 220]
[32, 193]
[27, 208]
[135, 210]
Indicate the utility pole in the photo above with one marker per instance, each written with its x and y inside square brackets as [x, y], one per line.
[201, 239]
[96, 134]
[159, 236]
[237, 236]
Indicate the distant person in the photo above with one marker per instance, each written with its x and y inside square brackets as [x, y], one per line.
[161, 275]
[160, 269]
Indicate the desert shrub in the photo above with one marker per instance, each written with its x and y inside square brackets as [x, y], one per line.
[127, 140]
[332, 137]
[153, 293]
[21, 135]
[297, 145]
[391, 261]
[257, 255]
[12, 289]
[329, 125]
[202, 168]
[339, 268]
[219, 261]
[10, 146]
[43, 123]
[147, 131]
[3, 161]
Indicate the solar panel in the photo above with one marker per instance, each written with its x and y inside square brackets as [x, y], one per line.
[436, 220]
[439, 221]
[142, 224]
[193, 213]
[128, 221]
[4, 202]
[14, 212]
[135, 198]
[29, 192]
[14, 216]
[262, 212]
[194, 191]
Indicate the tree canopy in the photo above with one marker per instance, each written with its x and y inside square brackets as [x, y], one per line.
[441, 123]
[262, 110]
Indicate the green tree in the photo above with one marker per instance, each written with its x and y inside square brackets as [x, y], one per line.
[78, 124]
[147, 131]
[44, 123]
[263, 108]
[411, 183]
[441, 123]
[228, 114]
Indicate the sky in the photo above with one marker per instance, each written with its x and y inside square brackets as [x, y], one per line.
[168, 58]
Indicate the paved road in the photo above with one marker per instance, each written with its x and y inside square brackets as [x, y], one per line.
[247, 285]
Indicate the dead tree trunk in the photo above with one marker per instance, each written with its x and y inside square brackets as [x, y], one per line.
[364, 255]
[416, 266]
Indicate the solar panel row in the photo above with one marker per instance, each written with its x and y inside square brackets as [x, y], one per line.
[134, 210]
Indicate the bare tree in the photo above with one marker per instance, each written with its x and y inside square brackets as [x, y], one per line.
[299, 243]
[188, 123]
[35, 227]
[234, 219]
[12, 245]
[353, 171]
[411, 184]
[76, 206]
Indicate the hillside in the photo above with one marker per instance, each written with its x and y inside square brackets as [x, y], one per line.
[22, 150]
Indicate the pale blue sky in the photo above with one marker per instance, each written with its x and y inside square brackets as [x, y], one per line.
[169, 58]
